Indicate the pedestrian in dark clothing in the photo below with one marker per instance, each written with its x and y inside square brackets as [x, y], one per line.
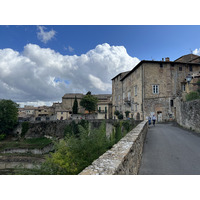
[149, 119]
[154, 119]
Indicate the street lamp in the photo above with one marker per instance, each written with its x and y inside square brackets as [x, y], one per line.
[188, 78]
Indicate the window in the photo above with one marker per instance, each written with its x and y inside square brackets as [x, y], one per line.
[171, 103]
[61, 113]
[99, 109]
[180, 68]
[161, 65]
[132, 107]
[135, 107]
[155, 89]
[135, 90]
[105, 109]
[183, 87]
[129, 96]
[190, 68]
[119, 98]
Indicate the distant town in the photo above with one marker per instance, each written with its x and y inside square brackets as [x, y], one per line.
[150, 88]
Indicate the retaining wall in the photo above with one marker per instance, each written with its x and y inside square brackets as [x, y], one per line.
[56, 128]
[188, 114]
[123, 158]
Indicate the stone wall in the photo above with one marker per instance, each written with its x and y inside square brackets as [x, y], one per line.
[56, 128]
[188, 114]
[44, 150]
[124, 158]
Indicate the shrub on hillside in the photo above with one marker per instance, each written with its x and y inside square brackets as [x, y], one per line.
[192, 96]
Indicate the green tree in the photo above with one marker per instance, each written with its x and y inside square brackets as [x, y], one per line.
[117, 112]
[8, 115]
[89, 102]
[127, 113]
[73, 154]
[192, 96]
[120, 116]
[75, 106]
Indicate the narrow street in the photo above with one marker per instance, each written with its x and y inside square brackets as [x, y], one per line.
[170, 150]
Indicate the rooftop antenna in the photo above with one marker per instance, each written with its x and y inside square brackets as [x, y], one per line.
[190, 54]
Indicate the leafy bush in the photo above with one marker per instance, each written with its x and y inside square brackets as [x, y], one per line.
[72, 128]
[127, 113]
[2, 136]
[25, 127]
[73, 154]
[120, 116]
[8, 115]
[192, 96]
[117, 112]
[126, 125]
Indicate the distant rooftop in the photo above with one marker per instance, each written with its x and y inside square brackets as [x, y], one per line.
[189, 58]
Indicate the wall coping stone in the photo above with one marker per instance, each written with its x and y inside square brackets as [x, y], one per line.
[112, 160]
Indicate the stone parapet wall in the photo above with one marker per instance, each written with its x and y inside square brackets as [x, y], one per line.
[188, 114]
[123, 158]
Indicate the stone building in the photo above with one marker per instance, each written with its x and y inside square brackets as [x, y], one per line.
[68, 102]
[44, 111]
[104, 107]
[26, 113]
[152, 86]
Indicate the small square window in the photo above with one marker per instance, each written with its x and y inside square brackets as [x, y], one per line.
[155, 89]
[190, 68]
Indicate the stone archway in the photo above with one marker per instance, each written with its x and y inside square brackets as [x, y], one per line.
[159, 116]
[138, 116]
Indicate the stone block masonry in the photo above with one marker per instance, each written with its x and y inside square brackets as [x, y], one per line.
[188, 114]
[123, 158]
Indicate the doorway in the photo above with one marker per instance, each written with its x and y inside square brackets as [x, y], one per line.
[159, 116]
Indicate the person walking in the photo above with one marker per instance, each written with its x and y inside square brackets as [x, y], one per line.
[149, 119]
[154, 119]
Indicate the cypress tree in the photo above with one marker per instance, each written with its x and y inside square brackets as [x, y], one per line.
[75, 106]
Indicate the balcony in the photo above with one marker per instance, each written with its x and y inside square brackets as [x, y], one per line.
[127, 101]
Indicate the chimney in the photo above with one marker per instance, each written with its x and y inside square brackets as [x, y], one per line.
[167, 59]
[162, 59]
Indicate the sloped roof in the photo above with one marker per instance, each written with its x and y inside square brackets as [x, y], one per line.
[187, 58]
[122, 74]
[72, 95]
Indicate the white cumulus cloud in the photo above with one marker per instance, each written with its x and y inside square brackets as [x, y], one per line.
[41, 74]
[45, 36]
[197, 52]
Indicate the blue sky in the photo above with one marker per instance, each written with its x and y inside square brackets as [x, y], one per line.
[42, 63]
[144, 42]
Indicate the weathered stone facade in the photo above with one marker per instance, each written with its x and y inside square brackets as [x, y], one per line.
[124, 158]
[188, 114]
[151, 88]
[117, 92]
[103, 104]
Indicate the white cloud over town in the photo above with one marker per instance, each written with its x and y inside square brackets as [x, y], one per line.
[45, 36]
[41, 74]
[197, 52]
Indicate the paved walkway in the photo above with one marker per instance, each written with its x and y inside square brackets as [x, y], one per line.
[170, 150]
